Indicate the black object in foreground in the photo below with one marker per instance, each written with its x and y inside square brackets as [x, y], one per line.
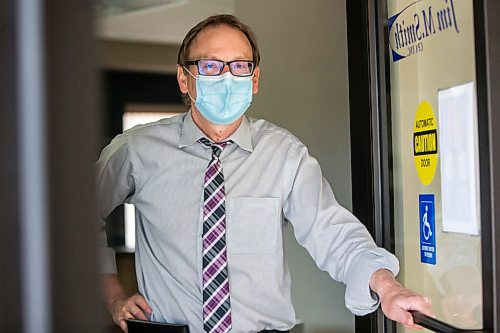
[439, 326]
[143, 326]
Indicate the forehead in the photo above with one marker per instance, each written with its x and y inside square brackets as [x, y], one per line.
[221, 42]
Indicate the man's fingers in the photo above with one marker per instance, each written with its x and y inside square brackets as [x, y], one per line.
[421, 304]
[134, 307]
[138, 313]
[123, 325]
[416, 303]
[400, 315]
[141, 302]
[137, 307]
[408, 321]
[398, 306]
[424, 306]
[428, 307]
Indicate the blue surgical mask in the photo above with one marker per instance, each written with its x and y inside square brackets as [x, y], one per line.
[222, 99]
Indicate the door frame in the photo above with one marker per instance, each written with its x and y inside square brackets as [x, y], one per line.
[370, 113]
[49, 267]
[371, 155]
[487, 34]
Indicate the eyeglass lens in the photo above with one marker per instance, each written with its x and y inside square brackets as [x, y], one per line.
[215, 67]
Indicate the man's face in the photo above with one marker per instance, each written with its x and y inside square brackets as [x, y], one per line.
[220, 42]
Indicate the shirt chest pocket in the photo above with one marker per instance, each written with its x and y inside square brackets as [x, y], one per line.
[252, 225]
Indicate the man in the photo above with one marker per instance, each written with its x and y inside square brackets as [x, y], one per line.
[213, 192]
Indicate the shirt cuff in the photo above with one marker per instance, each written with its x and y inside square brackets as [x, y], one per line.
[359, 298]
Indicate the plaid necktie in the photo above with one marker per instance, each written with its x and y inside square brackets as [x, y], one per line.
[216, 304]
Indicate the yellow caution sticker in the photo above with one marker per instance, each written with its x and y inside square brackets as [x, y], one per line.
[425, 143]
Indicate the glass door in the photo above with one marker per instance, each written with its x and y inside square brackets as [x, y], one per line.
[437, 208]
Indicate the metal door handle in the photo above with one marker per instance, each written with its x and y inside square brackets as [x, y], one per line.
[439, 326]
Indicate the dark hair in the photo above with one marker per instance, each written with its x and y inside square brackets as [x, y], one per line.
[215, 20]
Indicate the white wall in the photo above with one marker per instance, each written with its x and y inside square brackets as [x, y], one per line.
[304, 88]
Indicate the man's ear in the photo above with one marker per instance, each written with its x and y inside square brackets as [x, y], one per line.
[182, 79]
[255, 80]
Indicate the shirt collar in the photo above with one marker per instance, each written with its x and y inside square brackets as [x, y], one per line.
[191, 133]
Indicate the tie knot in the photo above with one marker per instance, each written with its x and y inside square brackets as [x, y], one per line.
[216, 147]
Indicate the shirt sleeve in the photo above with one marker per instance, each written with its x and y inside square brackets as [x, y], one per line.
[337, 241]
[115, 185]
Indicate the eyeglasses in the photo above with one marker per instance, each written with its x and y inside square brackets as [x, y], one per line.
[211, 67]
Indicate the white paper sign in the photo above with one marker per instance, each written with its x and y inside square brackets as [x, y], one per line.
[458, 141]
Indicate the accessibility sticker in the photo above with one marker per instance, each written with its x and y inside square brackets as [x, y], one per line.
[425, 143]
[427, 228]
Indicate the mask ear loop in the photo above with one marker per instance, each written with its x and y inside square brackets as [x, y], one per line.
[187, 70]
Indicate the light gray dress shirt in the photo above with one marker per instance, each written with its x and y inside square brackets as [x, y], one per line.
[271, 180]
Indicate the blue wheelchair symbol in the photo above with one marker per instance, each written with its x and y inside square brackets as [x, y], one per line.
[427, 229]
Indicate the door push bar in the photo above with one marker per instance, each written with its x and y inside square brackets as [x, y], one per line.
[436, 325]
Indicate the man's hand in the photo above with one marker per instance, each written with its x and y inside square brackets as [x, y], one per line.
[396, 301]
[134, 307]
[121, 306]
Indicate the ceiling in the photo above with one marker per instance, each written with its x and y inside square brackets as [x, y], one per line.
[154, 21]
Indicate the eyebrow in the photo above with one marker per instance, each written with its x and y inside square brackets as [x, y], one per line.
[226, 61]
[214, 57]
